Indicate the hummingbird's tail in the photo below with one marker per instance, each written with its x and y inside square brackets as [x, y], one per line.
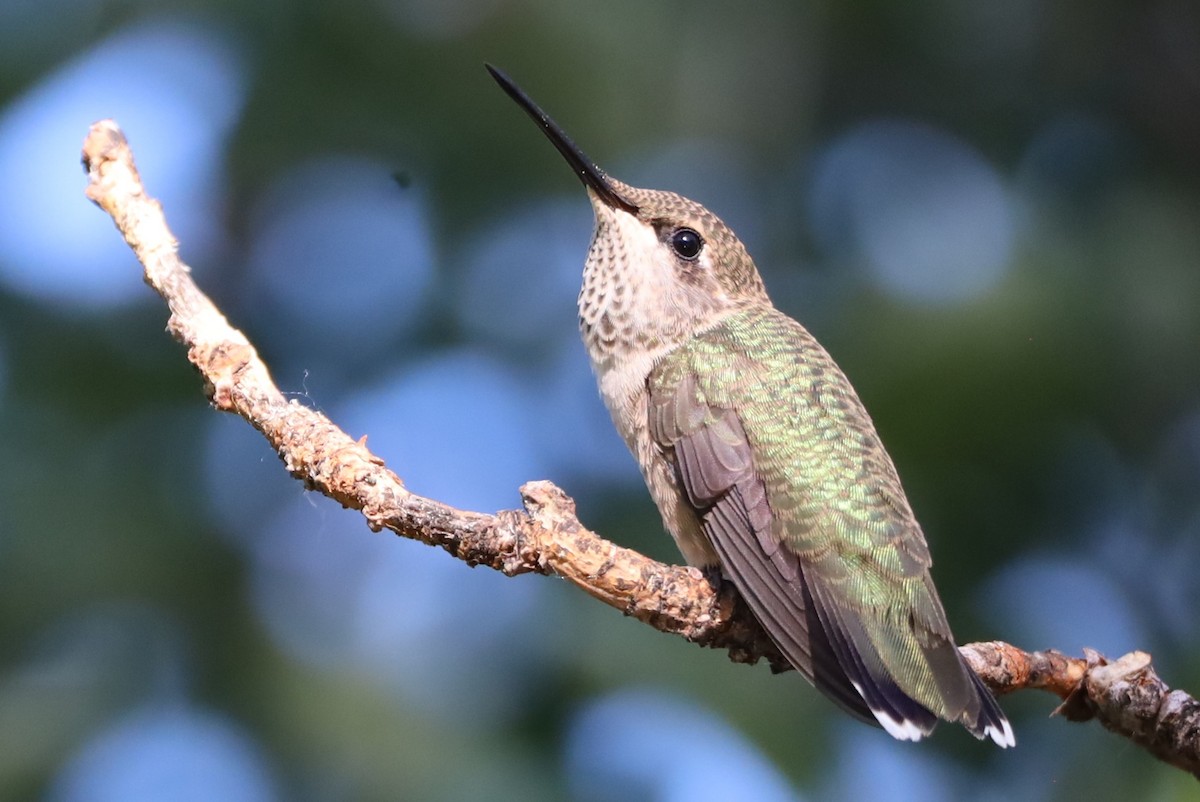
[989, 720]
[938, 674]
[856, 661]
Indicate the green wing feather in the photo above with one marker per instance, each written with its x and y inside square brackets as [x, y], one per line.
[805, 509]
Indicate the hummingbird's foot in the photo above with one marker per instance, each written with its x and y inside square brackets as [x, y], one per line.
[713, 575]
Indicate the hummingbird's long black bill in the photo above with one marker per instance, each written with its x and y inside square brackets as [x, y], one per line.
[591, 175]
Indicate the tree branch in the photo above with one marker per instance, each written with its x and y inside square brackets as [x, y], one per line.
[1126, 696]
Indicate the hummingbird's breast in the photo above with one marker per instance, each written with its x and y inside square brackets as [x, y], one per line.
[633, 313]
[622, 376]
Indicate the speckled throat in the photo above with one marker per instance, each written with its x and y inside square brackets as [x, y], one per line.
[634, 298]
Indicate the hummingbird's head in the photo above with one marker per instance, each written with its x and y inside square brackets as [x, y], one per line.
[660, 266]
[677, 241]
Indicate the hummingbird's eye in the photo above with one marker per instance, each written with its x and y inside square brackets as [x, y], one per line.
[686, 243]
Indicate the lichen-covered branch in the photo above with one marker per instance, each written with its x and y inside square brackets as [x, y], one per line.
[545, 537]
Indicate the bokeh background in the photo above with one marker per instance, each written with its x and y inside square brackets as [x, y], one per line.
[989, 213]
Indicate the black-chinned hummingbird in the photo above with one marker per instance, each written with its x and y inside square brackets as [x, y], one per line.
[762, 459]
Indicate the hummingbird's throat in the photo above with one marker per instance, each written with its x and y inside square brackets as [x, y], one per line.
[635, 295]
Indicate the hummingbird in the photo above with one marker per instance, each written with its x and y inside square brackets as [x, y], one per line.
[762, 459]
